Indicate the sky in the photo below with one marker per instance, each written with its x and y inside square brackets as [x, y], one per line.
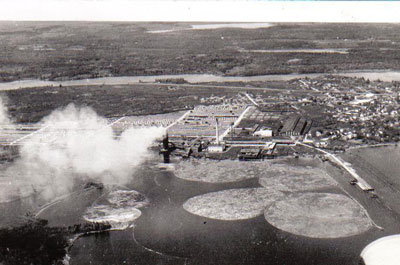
[181, 10]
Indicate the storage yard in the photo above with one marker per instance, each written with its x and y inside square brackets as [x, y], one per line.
[202, 121]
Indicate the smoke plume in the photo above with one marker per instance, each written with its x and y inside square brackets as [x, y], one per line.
[4, 118]
[75, 143]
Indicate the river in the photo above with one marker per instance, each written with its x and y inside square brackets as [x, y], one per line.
[166, 234]
[380, 168]
[194, 78]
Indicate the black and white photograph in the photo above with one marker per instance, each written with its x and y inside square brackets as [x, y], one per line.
[157, 139]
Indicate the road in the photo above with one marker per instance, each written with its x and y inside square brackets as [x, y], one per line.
[235, 124]
[251, 99]
[178, 120]
[345, 165]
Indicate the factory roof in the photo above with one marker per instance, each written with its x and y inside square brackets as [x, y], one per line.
[290, 124]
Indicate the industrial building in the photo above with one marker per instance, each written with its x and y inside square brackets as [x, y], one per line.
[295, 126]
[264, 133]
[249, 153]
[235, 131]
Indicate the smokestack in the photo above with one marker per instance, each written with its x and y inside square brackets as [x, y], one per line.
[166, 157]
[165, 141]
[165, 149]
[217, 132]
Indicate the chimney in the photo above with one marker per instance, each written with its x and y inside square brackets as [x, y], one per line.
[217, 132]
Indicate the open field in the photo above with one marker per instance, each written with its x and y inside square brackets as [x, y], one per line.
[71, 50]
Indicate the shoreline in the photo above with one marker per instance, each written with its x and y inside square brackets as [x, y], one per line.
[372, 146]
[74, 238]
[384, 75]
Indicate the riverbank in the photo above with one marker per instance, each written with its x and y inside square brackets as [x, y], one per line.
[388, 76]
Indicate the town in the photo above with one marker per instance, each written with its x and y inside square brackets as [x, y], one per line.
[332, 112]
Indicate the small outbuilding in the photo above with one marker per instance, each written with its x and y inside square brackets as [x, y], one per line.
[263, 133]
[215, 148]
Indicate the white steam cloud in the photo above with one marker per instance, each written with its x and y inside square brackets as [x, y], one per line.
[4, 118]
[75, 143]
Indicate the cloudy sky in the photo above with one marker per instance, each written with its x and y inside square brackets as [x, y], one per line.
[200, 10]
